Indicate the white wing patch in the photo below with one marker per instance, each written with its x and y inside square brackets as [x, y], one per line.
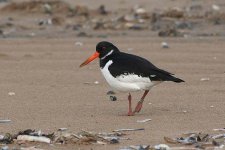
[133, 78]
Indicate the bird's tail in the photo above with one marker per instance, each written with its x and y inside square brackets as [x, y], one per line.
[175, 79]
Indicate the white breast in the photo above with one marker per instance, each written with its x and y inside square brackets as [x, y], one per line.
[127, 82]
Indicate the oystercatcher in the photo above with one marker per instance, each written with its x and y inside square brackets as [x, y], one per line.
[127, 73]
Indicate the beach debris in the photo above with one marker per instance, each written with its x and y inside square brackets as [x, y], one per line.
[96, 82]
[218, 136]
[102, 10]
[175, 12]
[79, 44]
[86, 137]
[215, 7]
[169, 32]
[164, 45]
[110, 93]
[136, 147]
[204, 79]
[11, 93]
[6, 139]
[30, 148]
[5, 121]
[62, 129]
[121, 130]
[30, 138]
[5, 147]
[38, 6]
[112, 98]
[199, 140]
[145, 120]
[221, 129]
[162, 147]
[63, 136]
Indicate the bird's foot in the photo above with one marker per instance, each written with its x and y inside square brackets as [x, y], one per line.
[138, 107]
[130, 113]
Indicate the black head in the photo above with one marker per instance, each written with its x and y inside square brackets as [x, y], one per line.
[105, 48]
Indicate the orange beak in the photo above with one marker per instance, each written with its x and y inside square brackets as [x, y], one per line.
[95, 55]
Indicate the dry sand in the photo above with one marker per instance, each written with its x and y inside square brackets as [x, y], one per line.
[50, 92]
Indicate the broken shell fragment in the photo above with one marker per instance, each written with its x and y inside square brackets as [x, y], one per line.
[145, 120]
[162, 147]
[5, 121]
[204, 79]
[33, 138]
[164, 45]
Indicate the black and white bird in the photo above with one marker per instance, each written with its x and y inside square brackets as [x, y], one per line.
[127, 73]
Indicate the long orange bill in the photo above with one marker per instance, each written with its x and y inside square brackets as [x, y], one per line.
[95, 55]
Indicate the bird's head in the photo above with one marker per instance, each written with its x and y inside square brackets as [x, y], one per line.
[103, 49]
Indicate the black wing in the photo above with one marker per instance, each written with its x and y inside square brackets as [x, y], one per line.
[124, 63]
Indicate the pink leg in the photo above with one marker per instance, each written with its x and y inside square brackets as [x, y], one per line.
[139, 104]
[130, 113]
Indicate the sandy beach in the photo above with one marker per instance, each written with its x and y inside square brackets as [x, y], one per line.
[50, 91]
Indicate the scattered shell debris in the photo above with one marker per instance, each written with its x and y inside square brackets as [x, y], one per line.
[204, 79]
[162, 147]
[199, 140]
[120, 130]
[63, 136]
[143, 121]
[62, 16]
[222, 129]
[5, 121]
[136, 147]
[186, 141]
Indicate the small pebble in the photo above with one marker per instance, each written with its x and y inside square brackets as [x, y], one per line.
[212, 106]
[79, 44]
[185, 111]
[96, 82]
[204, 79]
[11, 93]
[215, 7]
[130, 49]
[164, 45]
[113, 98]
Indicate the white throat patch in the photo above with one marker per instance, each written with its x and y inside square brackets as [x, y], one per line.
[109, 53]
